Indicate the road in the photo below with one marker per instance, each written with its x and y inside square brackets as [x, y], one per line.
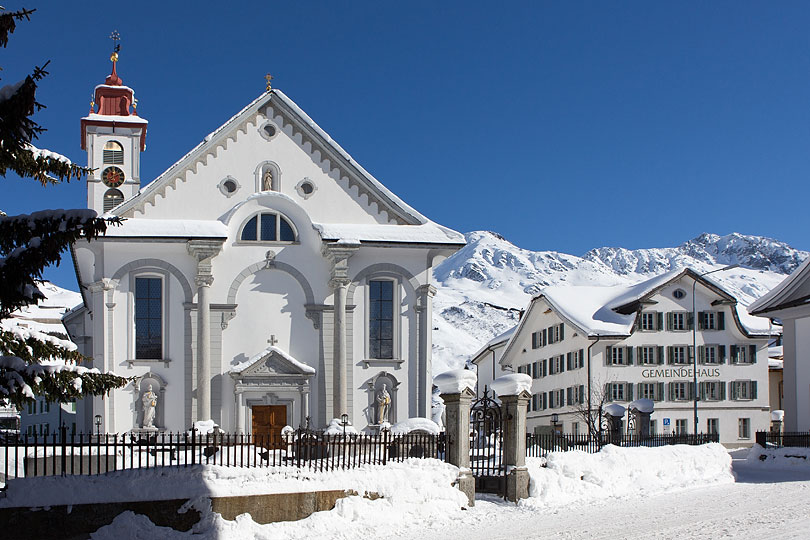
[762, 504]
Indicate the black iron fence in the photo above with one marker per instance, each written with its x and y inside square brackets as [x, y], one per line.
[778, 439]
[541, 444]
[88, 454]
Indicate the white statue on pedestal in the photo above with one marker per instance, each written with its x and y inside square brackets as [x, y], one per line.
[383, 405]
[149, 404]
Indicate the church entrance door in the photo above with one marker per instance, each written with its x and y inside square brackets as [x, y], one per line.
[268, 420]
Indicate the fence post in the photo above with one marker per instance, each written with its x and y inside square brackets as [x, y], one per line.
[761, 437]
[63, 436]
[457, 444]
[514, 441]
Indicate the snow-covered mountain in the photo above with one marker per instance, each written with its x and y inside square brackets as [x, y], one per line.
[483, 287]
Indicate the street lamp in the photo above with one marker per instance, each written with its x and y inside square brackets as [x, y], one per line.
[555, 419]
[98, 424]
[694, 340]
[344, 419]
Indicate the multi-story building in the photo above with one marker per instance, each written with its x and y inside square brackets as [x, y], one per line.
[594, 345]
[42, 417]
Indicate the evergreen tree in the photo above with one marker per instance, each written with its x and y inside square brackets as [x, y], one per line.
[31, 363]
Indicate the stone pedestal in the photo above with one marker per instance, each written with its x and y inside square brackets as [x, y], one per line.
[457, 441]
[514, 445]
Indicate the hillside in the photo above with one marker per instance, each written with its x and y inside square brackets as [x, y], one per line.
[483, 287]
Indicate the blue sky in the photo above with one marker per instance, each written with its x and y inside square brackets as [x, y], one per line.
[561, 125]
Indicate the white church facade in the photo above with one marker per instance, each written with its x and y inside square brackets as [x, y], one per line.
[262, 280]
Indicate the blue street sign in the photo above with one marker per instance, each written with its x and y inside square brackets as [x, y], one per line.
[666, 421]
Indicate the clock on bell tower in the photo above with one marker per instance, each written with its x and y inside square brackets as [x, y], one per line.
[114, 136]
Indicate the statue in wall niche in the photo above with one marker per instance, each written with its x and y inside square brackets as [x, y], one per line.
[267, 180]
[383, 404]
[149, 404]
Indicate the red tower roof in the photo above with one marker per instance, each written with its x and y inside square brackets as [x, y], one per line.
[114, 101]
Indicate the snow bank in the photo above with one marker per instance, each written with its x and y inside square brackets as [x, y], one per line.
[643, 405]
[614, 409]
[336, 427]
[415, 493]
[415, 424]
[779, 458]
[576, 476]
[512, 384]
[455, 381]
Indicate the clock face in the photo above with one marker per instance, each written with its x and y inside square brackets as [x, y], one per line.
[112, 177]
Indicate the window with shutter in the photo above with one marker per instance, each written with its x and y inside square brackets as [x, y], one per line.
[535, 341]
[581, 393]
[582, 358]
[628, 351]
[562, 331]
[721, 320]
[752, 354]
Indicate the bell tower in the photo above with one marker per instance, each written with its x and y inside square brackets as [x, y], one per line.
[114, 136]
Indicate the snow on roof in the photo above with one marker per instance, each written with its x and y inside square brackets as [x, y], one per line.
[776, 351]
[241, 366]
[775, 363]
[427, 233]
[132, 119]
[591, 308]
[168, 228]
[773, 299]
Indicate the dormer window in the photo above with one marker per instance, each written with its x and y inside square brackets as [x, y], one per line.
[113, 153]
[268, 227]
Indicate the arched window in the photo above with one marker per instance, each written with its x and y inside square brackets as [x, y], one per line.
[268, 227]
[113, 153]
[112, 198]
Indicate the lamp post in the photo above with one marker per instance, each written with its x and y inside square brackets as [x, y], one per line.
[344, 419]
[98, 424]
[694, 340]
[555, 419]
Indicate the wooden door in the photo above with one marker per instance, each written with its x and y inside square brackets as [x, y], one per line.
[268, 420]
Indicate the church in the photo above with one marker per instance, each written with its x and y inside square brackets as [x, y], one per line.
[265, 279]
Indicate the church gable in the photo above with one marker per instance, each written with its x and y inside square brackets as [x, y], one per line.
[271, 145]
[272, 362]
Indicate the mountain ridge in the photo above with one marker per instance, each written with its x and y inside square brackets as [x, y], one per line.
[483, 286]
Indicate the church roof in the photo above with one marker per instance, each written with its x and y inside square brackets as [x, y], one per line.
[429, 232]
[168, 228]
[309, 130]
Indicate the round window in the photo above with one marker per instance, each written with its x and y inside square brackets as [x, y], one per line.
[229, 185]
[679, 293]
[307, 188]
[270, 129]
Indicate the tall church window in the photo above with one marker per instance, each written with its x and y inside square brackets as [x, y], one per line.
[112, 198]
[381, 319]
[268, 227]
[148, 318]
[113, 153]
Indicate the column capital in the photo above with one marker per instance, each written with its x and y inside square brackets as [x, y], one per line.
[338, 254]
[104, 284]
[203, 280]
[427, 290]
[203, 251]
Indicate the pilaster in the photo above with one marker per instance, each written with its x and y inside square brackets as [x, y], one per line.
[204, 251]
[338, 255]
[424, 309]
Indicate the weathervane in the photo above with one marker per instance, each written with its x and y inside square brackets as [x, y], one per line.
[116, 37]
[268, 78]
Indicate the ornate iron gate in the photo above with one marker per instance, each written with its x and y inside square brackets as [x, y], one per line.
[486, 445]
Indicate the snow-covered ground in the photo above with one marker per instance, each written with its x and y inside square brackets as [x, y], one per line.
[671, 492]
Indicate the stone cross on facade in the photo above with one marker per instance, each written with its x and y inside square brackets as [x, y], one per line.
[272, 341]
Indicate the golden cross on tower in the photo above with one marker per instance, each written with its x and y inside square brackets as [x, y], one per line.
[269, 78]
[116, 37]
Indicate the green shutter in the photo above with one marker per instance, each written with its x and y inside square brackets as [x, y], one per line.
[671, 391]
[732, 355]
[659, 321]
[722, 390]
[701, 320]
[562, 331]
[629, 395]
[568, 361]
[721, 354]
[753, 389]
[659, 391]
[669, 320]
[582, 393]
[690, 323]
[544, 337]
[721, 320]
[669, 355]
[608, 396]
[582, 358]
[629, 352]
[733, 390]
[690, 355]
[702, 354]
[752, 353]
[607, 355]
[660, 354]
